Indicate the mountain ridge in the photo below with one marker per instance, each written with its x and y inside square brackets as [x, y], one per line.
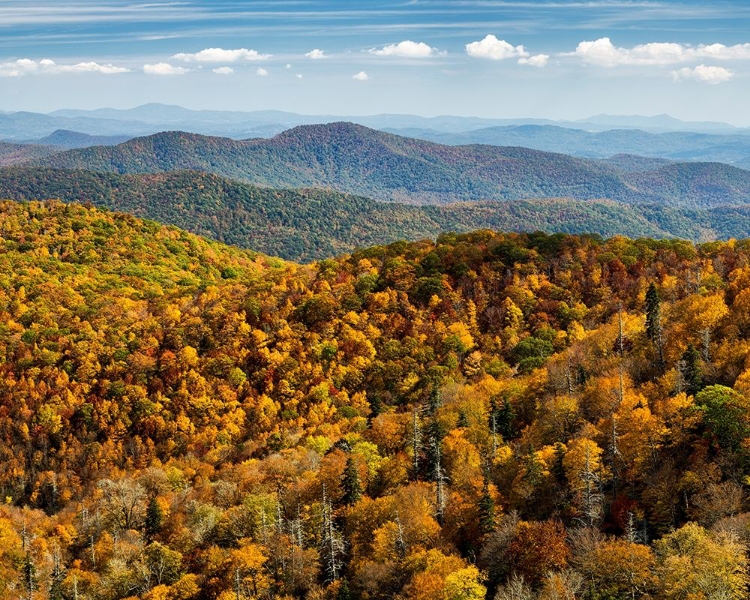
[354, 159]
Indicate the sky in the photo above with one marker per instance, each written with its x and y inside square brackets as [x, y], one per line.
[559, 59]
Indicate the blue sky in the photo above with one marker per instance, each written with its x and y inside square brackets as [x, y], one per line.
[496, 58]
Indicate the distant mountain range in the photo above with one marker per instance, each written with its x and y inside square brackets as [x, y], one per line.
[602, 136]
[373, 187]
[161, 114]
[678, 145]
[354, 159]
[305, 225]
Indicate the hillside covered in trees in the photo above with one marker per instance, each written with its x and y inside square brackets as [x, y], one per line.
[354, 159]
[484, 416]
[308, 224]
[12, 154]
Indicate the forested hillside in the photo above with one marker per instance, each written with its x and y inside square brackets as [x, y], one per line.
[13, 154]
[305, 225]
[353, 159]
[488, 415]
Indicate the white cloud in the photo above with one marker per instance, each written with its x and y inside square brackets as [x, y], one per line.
[362, 76]
[492, 48]
[406, 49]
[288, 66]
[703, 74]
[163, 69]
[316, 54]
[604, 53]
[220, 55]
[26, 66]
[261, 72]
[224, 71]
[92, 67]
[538, 60]
[298, 75]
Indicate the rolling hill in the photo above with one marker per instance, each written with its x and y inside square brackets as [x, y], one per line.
[354, 159]
[309, 224]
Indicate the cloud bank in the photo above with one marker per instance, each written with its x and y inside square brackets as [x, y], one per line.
[25, 66]
[604, 53]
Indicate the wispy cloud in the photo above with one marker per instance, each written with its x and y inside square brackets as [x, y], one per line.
[538, 60]
[261, 72]
[223, 70]
[361, 76]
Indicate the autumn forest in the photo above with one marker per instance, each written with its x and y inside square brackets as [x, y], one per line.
[507, 416]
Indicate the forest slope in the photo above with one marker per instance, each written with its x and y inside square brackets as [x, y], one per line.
[305, 225]
[532, 415]
[13, 154]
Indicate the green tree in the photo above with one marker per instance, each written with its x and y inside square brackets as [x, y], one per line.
[486, 509]
[154, 518]
[653, 320]
[691, 369]
[725, 415]
[351, 483]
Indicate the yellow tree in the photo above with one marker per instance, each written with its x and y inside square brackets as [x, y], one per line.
[696, 565]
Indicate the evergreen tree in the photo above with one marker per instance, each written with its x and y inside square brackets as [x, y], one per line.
[653, 320]
[435, 400]
[557, 468]
[154, 518]
[435, 434]
[344, 593]
[692, 370]
[486, 509]
[350, 483]
[504, 421]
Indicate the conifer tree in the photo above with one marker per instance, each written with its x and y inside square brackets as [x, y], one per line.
[350, 482]
[154, 518]
[692, 370]
[486, 509]
[653, 320]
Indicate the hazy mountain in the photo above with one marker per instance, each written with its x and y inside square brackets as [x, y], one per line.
[32, 126]
[69, 140]
[655, 123]
[163, 114]
[354, 159]
[730, 149]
